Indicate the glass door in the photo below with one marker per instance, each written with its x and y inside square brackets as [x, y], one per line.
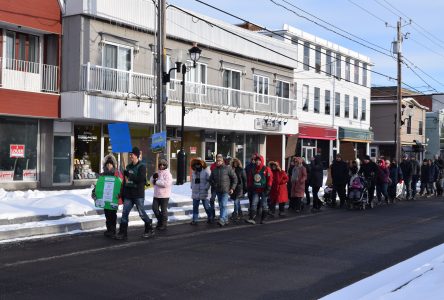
[61, 166]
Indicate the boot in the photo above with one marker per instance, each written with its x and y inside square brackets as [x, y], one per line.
[163, 223]
[252, 216]
[123, 232]
[264, 217]
[110, 230]
[149, 231]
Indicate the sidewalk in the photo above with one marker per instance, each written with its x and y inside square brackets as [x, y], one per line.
[34, 214]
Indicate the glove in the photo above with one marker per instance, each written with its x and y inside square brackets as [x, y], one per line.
[93, 194]
[155, 176]
[267, 190]
[126, 173]
[154, 181]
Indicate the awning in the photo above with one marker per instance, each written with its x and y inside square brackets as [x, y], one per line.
[316, 132]
[355, 135]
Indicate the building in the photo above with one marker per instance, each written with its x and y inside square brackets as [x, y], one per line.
[434, 134]
[383, 117]
[31, 151]
[333, 92]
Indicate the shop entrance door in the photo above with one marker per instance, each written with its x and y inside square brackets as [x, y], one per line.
[308, 153]
[61, 166]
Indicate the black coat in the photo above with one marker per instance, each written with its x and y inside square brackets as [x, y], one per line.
[339, 172]
[241, 187]
[407, 169]
[369, 171]
[316, 174]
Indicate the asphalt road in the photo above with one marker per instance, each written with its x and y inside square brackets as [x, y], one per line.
[299, 257]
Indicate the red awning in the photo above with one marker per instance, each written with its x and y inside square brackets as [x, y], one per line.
[316, 132]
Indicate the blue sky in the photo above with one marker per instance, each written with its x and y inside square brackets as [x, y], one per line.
[423, 49]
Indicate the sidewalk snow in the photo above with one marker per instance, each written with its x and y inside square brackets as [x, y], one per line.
[420, 277]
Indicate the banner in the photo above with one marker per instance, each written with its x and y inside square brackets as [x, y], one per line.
[107, 191]
[16, 151]
[119, 135]
[30, 175]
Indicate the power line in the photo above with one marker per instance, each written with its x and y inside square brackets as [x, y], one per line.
[422, 71]
[369, 12]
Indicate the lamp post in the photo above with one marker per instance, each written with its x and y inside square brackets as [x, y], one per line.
[194, 53]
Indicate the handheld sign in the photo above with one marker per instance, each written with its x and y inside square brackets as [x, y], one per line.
[120, 137]
[158, 142]
[107, 191]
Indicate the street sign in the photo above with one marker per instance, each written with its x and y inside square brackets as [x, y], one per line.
[158, 142]
[119, 135]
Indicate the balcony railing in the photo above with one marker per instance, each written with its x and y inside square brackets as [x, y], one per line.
[125, 83]
[28, 76]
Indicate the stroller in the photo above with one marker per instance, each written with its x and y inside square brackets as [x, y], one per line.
[357, 193]
[327, 198]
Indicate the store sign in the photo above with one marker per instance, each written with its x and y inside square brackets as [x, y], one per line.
[6, 175]
[267, 125]
[16, 151]
[193, 150]
[87, 137]
[120, 138]
[355, 134]
[158, 141]
[30, 175]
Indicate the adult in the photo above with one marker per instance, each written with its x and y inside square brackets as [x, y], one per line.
[259, 181]
[223, 181]
[289, 171]
[200, 189]
[425, 178]
[162, 181]
[416, 173]
[307, 182]
[213, 193]
[278, 193]
[369, 169]
[439, 163]
[240, 190]
[382, 181]
[406, 167]
[110, 169]
[339, 176]
[316, 178]
[134, 194]
[434, 174]
[249, 169]
[298, 178]
[396, 176]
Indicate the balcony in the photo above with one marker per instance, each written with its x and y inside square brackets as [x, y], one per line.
[120, 83]
[28, 76]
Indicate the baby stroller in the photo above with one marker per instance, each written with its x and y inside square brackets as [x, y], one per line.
[327, 198]
[357, 193]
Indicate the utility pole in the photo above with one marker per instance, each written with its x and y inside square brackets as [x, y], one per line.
[161, 66]
[399, 92]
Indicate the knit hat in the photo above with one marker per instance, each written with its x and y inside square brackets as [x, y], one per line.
[366, 157]
[164, 162]
[136, 151]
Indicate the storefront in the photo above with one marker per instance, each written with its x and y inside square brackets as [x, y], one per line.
[316, 140]
[354, 143]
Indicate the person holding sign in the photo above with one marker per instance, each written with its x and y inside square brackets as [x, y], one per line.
[162, 181]
[134, 194]
[109, 184]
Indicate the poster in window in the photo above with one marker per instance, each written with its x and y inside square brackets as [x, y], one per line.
[16, 151]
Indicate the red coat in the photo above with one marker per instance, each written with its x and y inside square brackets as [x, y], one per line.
[298, 187]
[279, 193]
[267, 173]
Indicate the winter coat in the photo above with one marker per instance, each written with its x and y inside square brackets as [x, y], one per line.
[241, 187]
[289, 171]
[223, 179]
[279, 193]
[256, 171]
[162, 187]
[134, 187]
[308, 169]
[416, 168]
[298, 186]
[316, 174]
[200, 189]
[382, 175]
[396, 174]
[434, 173]
[407, 169]
[439, 163]
[339, 172]
[369, 171]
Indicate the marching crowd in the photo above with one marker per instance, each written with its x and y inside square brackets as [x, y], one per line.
[267, 186]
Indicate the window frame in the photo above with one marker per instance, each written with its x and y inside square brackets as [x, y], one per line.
[318, 59]
[355, 108]
[420, 127]
[338, 65]
[346, 106]
[305, 97]
[363, 109]
[328, 62]
[306, 61]
[262, 97]
[347, 69]
[317, 100]
[327, 102]
[409, 125]
[364, 74]
[105, 43]
[356, 72]
[337, 104]
[197, 76]
[283, 82]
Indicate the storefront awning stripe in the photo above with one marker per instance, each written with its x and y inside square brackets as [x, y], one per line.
[355, 141]
[328, 138]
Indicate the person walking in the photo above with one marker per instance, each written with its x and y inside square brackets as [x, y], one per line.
[110, 169]
[240, 190]
[406, 167]
[259, 181]
[439, 163]
[369, 169]
[223, 182]
[339, 176]
[416, 173]
[307, 182]
[425, 178]
[434, 175]
[298, 178]
[200, 189]
[396, 176]
[162, 181]
[134, 194]
[249, 169]
[278, 193]
[316, 178]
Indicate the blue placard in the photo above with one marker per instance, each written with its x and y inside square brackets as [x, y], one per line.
[119, 135]
[158, 141]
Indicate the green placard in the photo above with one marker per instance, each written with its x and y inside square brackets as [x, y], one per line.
[107, 191]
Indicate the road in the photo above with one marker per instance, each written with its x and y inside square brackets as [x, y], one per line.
[298, 257]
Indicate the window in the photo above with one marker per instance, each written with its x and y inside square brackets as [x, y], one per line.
[409, 125]
[305, 98]
[420, 125]
[117, 57]
[347, 69]
[232, 80]
[337, 104]
[118, 61]
[170, 64]
[346, 106]
[318, 53]
[317, 95]
[364, 74]
[24, 47]
[306, 56]
[328, 65]
[261, 88]
[338, 65]
[355, 108]
[364, 110]
[282, 89]
[327, 102]
[356, 77]
[197, 77]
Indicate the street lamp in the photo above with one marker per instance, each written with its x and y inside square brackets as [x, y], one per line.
[181, 67]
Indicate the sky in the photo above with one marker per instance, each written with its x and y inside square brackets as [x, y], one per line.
[423, 49]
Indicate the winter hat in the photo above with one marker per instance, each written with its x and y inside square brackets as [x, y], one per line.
[366, 157]
[109, 160]
[164, 162]
[136, 151]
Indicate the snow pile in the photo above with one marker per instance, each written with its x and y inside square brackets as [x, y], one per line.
[420, 277]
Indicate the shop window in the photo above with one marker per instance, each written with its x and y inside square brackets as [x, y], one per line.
[87, 158]
[251, 144]
[18, 149]
[239, 140]
[224, 141]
